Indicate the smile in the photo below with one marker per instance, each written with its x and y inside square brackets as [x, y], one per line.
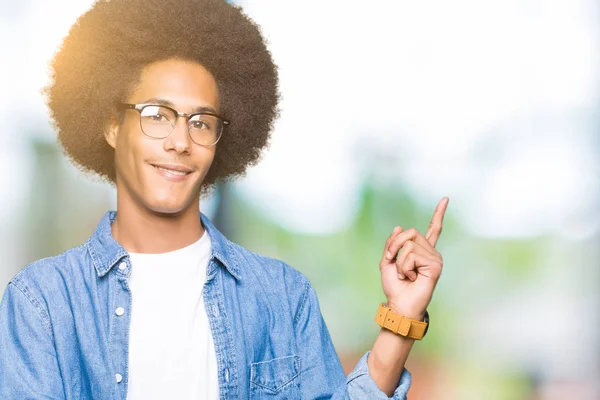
[173, 173]
[182, 173]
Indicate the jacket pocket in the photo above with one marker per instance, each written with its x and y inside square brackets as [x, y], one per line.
[275, 379]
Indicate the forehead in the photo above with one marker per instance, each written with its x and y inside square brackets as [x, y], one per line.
[186, 84]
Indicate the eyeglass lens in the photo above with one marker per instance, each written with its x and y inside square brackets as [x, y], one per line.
[159, 122]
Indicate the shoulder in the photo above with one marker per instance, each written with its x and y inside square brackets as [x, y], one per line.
[51, 273]
[268, 269]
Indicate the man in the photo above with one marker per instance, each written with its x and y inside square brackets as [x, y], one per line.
[164, 98]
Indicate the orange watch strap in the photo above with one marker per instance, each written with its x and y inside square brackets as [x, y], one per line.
[399, 324]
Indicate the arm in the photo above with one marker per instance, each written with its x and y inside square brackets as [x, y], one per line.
[387, 358]
[410, 269]
[408, 280]
[28, 364]
[321, 371]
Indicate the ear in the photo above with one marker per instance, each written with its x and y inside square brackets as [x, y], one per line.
[111, 130]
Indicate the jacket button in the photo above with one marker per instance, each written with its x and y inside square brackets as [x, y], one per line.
[122, 266]
[119, 378]
[120, 311]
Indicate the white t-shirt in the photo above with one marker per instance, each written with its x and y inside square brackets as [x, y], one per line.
[171, 349]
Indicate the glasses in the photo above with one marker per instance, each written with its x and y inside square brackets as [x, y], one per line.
[158, 121]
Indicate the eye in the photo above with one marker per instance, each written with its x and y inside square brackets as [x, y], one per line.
[158, 117]
[200, 124]
[157, 114]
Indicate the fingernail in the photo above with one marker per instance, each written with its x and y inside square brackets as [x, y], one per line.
[389, 255]
[401, 277]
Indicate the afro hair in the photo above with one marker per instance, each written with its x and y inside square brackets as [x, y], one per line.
[102, 57]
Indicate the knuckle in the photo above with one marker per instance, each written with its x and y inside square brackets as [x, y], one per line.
[399, 262]
[398, 267]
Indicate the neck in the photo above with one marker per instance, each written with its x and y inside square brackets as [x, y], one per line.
[140, 230]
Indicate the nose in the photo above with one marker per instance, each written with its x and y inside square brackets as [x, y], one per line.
[179, 139]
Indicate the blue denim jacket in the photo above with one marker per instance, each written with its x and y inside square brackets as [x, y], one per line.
[60, 337]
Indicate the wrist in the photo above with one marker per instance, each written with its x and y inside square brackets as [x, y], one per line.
[401, 324]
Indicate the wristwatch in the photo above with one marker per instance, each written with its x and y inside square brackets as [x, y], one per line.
[401, 325]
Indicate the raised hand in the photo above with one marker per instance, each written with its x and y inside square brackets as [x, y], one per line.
[411, 266]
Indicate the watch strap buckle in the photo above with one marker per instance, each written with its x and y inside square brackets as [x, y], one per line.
[399, 324]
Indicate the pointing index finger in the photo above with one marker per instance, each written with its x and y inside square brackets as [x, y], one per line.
[435, 227]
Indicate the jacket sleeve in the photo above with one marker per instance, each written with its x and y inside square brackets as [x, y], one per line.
[28, 364]
[322, 375]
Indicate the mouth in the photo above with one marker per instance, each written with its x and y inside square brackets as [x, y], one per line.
[175, 173]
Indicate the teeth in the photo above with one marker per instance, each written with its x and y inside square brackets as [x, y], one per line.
[173, 172]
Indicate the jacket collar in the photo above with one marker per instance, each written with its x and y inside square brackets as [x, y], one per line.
[106, 252]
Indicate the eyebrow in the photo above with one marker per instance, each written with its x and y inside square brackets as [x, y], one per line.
[168, 103]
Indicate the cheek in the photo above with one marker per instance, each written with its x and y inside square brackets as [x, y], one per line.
[208, 159]
[129, 147]
[211, 155]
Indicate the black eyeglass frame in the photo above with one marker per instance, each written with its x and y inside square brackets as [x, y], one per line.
[140, 107]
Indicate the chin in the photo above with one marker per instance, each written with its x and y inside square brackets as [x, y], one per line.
[167, 210]
[168, 207]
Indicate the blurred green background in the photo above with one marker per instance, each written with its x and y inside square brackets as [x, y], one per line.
[387, 107]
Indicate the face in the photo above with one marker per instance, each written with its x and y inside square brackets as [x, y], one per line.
[164, 175]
